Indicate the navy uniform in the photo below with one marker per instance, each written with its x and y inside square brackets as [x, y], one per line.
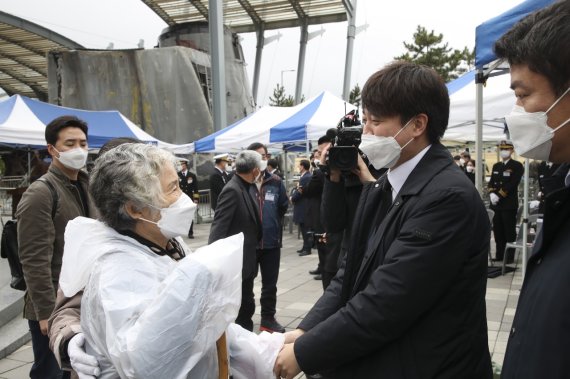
[188, 183]
[505, 179]
[545, 181]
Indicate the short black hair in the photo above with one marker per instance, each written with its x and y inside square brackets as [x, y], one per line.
[541, 40]
[114, 142]
[305, 163]
[256, 146]
[62, 122]
[407, 89]
[456, 157]
[273, 162]
[324, 139]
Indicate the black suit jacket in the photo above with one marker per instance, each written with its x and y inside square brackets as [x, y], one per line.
[409, 299]
[217, 182]
[538, 344]
[189, 184]
[504, 182]
[238, 212]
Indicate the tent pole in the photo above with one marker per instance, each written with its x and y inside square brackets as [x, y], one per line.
[216, 25]
[29, 165]
[480, 81]
[525, 217]
[301, 63]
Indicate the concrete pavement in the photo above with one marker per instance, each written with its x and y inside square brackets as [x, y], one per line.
[298, 291]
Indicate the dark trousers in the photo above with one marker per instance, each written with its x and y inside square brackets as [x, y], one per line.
[268, 263]
[191, 231]
[504, 230]
[305, 235]
[45, 366]
[247, 308]
[333, 251]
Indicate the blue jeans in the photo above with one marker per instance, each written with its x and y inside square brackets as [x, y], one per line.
[45, 366]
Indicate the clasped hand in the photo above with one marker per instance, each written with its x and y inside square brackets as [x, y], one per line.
[286, 365]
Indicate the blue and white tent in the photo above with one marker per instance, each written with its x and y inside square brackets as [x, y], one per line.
[275, 126]
[23, 121]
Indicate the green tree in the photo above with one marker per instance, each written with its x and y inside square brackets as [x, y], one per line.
[429, 49]
[354, 96]
[280, 99]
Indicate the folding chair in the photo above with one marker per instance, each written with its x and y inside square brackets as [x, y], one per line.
[518, 243]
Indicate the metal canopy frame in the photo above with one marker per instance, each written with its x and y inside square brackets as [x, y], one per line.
[243, 16]
[23, 51]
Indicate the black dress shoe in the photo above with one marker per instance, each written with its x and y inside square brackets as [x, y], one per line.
[190, 235]
[304, 252]
[315, 272]
[300, 250]
[318, 277]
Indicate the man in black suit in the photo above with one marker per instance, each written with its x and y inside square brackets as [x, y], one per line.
[409, 299]
[188, 183]
[503, 193]
[546, 183]
[536, 49]
[237, 211]
[219, 178]
[299, 201]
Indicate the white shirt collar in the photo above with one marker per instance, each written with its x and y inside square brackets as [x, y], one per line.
[219, 169]
[567, 180]
[399, 175]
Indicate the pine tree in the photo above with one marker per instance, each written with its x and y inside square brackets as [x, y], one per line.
[280, 99]
[430, 50]
[354, 96]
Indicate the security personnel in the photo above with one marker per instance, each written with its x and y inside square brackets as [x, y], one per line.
[503, 193]
[545, 181]
[189, 185]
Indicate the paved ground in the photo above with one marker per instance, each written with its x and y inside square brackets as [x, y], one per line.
[298, 291]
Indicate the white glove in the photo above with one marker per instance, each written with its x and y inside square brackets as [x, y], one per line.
[84, 364]
[494, 198]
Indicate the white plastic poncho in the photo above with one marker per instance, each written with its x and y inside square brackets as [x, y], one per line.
[147, 316]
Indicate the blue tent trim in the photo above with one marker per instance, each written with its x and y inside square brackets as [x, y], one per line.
[208, 143]
[108, 123]
[293, 128]
[456, 84]
[491, 30]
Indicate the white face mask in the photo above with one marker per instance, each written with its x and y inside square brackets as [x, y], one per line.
[470, 168]
[530, 132]
[505, 154]
[462, 161]
[176, 219]
[382, 152]
[73, 159]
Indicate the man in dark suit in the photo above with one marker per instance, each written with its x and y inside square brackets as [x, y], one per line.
[299, 201]
[503, 193]
[189, 185]
[409, 299]
[238, 212]
[219, 178]
[536, 49]
[545, 181]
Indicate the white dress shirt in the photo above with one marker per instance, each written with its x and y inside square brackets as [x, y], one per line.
[399, 175]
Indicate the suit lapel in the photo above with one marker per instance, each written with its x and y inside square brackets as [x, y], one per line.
[556, 212]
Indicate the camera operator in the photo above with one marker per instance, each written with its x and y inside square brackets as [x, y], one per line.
[409, 299]
[341, 192]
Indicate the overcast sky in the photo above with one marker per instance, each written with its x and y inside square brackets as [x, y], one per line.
[96, 24]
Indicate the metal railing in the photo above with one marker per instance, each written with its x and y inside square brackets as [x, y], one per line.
[204, 212]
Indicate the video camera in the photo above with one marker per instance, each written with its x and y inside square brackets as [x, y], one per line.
[346, 138]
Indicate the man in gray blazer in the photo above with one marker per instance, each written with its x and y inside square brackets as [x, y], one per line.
[238, 212]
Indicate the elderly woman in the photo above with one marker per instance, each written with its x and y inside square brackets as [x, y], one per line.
[145, 315]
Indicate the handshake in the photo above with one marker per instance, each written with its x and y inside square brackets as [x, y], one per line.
[246, 349]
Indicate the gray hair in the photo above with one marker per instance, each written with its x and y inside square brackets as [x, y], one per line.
[246, 161]
[129, 172]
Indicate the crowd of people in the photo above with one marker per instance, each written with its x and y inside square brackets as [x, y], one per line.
[403, 242]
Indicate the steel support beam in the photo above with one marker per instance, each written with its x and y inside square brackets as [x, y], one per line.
[216, 25]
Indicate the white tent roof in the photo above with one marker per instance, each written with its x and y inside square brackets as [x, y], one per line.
[274, 126]
[498, 100]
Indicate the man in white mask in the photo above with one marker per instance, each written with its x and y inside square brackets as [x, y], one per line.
[503, 194]
[47, 205]
[537, 49]
[409, 298]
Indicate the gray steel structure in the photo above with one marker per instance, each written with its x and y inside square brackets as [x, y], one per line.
[258, 16]
[23, 49]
